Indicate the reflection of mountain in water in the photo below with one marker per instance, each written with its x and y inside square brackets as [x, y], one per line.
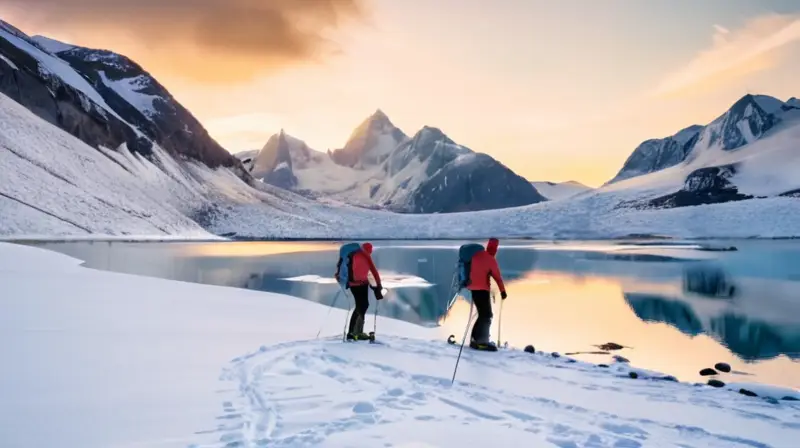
[418, 305]
[755, 340]
[653, 308]
[750, 339]
[707, 280]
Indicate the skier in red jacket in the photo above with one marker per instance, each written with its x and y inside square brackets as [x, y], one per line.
[361, 267]
[483, 267]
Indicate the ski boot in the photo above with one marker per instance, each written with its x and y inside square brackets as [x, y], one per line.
[360, 336]
[484, 346]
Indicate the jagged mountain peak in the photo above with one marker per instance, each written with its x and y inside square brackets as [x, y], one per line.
[370, 143]
[743, 123]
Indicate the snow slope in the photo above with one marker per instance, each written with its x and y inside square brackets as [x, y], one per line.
[562, 190]
[173, 364]
[54, 184]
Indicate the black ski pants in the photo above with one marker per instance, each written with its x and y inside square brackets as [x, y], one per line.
[361, 296]
[483, 303]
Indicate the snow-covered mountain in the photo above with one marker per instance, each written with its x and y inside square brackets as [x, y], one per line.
[381, 167]
[102, 98]
[749, 151]
[90, 144]
[747, 120]
[370, 143]
[562, 190]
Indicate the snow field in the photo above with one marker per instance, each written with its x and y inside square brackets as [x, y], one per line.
[120, 360]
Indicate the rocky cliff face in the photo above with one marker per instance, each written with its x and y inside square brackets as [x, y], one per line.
[139, 98]
[273, 164]
[102, 98]
[710, 185]
[657, 154]
[473, 182]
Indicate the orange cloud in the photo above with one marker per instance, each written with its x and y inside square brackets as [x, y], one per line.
[734, 54]
[205, 40]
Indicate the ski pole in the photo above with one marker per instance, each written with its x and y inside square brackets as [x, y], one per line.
[500, 322]
[344, 329]
[464, 339]
[333, 303]
[375, 320]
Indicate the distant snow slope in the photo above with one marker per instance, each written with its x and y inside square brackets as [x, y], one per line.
[563, 190]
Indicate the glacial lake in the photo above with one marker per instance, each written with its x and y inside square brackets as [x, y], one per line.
[676, 308]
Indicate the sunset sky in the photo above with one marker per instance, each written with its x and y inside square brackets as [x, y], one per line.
[557, 90]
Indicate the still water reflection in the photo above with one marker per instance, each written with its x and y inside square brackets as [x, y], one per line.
[679, 308]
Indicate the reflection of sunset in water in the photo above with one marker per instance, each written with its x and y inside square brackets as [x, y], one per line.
[252, 249]
[564, 313]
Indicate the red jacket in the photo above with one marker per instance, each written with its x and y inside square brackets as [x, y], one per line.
[484, 266]
[362, 266]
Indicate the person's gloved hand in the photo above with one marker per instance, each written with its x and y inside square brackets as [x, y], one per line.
[378, 290]
[503, 295]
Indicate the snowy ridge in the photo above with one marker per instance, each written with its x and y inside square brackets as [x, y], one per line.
[558, 191]
[748, 119]
[745, 153]
[56, 70]
[51, 45]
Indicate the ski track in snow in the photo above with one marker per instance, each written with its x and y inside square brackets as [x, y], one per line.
[327, 393]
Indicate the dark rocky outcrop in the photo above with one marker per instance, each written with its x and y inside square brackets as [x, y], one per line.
[60, 104]
[703, 186]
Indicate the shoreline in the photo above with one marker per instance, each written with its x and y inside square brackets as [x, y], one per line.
[232, 239]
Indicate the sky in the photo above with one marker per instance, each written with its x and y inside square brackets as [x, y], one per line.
[556, 90]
